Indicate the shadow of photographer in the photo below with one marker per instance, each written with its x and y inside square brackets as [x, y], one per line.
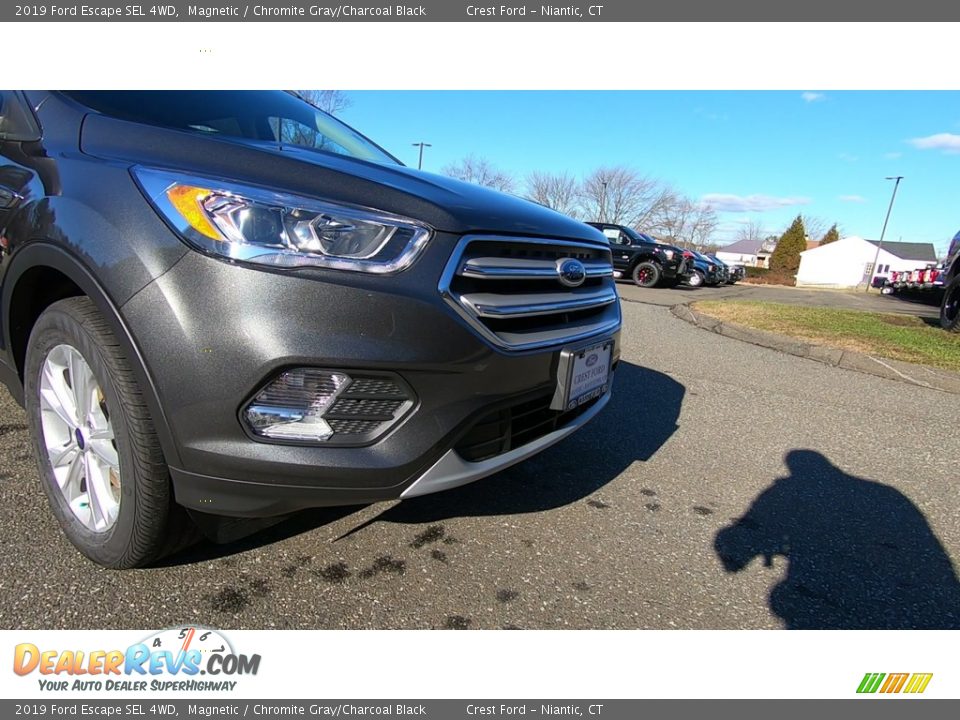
[860, 554]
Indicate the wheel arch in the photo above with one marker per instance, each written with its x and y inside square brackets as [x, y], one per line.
[41, 274]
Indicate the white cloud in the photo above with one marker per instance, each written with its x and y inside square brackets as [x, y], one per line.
[750, 203]
[945, 142]
[813, 97]
[892, 155]
[853, 198]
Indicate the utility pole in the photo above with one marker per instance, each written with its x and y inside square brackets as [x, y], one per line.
[876, 258]
[603, 203]
[421, 145]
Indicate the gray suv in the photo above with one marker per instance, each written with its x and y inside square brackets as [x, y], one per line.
[220, 304]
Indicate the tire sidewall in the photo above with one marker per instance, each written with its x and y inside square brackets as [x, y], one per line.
[696, 280]
[952, 289]
[58, 326]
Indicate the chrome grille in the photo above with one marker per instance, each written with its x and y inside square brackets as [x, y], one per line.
[509, 290]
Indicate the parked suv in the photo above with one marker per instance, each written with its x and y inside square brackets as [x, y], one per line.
[950, 305]
[642, 258]
[232, 303]
[705, 270]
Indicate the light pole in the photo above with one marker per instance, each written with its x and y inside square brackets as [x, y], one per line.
[603, 203]
[421, 145]
[876, 258]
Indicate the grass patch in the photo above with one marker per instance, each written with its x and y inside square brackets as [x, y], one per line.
[887, 335]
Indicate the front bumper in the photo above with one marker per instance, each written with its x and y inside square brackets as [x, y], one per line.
[206, 358]
[243, 498]
[672, 269]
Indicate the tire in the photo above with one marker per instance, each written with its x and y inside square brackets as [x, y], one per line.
[696, 280]
[115, 505]
[950, 306]
[646, 274]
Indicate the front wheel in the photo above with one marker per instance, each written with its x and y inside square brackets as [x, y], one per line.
[950, 306]
[99, 459]
[646, 274]
[695, 280]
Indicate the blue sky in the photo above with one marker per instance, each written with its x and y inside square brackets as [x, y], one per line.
[760, 155]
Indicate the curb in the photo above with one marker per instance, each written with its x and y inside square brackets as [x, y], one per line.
[920, 375]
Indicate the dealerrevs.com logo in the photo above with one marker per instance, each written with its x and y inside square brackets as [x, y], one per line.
[178, 659]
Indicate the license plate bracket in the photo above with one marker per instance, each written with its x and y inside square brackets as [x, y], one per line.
[582, 374]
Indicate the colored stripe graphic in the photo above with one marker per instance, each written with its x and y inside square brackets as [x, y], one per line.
[894, 683]
[870, 682]
[918, 683]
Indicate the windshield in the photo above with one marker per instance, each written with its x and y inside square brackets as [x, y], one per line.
[634, 235]
[271, 116]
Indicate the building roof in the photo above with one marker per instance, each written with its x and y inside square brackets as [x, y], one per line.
[811, 244]
[909, 250]
[743, 247]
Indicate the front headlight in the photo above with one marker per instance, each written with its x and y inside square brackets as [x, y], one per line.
[257, 225]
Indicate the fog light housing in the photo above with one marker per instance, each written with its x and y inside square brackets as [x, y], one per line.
[332, 407]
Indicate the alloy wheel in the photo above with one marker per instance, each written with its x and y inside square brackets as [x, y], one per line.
[79, 438]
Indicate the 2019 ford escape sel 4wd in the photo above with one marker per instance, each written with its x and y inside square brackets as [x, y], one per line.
[234, 304]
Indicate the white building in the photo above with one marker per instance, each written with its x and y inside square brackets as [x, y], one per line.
[848, 262]
[742, 252]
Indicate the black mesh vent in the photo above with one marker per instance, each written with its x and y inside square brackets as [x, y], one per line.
[377, 409]
[375, 386]
[354, 427]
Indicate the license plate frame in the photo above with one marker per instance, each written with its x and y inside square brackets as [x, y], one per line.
[571, 391]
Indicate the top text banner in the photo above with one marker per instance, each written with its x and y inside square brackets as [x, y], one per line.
[454, 11]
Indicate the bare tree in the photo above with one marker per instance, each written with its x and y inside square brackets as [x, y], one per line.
[480, 171]
[623, 196]
[752, 231]
[684, 222]
[816, 227]
[703, 224]
[331, 101]
[559, 192]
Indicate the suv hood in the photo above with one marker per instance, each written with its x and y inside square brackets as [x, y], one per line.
[444, 203]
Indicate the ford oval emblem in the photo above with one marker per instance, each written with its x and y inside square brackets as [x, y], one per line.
[592, 360]
[571, 272]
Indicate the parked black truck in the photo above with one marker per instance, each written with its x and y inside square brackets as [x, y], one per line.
[641, 258]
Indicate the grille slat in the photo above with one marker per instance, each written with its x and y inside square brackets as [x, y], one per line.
[496, 268]
[509, 290]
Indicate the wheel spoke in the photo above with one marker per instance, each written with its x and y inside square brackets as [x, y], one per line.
[62, 457]
[70, 485]
[102, 502]
[106, 453]
[58, 396]
[93, 501]
[82, 383]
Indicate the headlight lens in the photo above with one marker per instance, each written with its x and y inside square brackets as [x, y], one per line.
[256, 225]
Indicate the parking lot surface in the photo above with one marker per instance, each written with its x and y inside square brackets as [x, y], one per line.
[922, 305]
[725, 486]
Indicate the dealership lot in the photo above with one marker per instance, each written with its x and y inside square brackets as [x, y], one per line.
[725, 486]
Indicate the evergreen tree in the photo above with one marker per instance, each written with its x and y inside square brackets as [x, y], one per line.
[786, 257]
[832, 235]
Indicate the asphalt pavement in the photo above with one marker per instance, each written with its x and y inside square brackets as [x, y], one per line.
[924, 305]
[725, 486]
